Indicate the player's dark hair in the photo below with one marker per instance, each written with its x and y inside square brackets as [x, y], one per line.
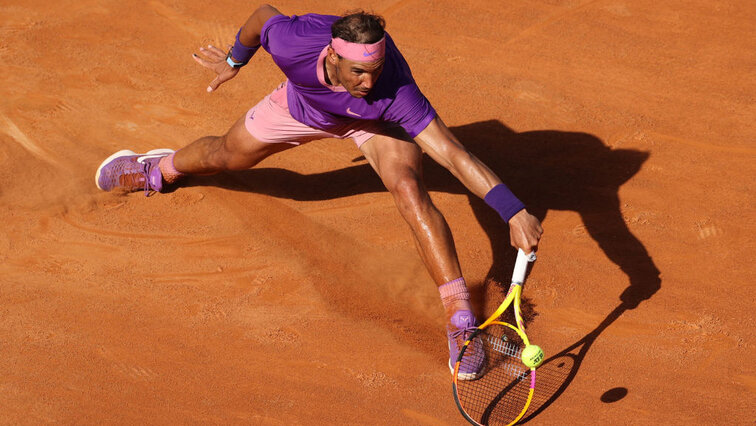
[359, 27]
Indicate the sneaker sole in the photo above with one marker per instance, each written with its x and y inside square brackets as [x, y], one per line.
[466, 376]
[122, 153]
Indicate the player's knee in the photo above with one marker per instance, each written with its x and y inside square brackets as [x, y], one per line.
[405, 186]
[409, 193]
[240, 153]
[228, 154]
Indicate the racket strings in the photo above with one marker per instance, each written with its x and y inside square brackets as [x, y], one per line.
[501, 391]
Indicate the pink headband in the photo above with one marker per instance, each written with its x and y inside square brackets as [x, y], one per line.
[359, 52]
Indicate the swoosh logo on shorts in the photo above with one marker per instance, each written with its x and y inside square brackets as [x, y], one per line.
[349, 111]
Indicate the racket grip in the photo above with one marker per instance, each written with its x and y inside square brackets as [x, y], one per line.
[521, 266]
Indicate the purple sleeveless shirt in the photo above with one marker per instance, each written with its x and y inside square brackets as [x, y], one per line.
[298, 45]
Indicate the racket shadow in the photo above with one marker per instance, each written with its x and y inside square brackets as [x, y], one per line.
[492, 411]
[556, 374]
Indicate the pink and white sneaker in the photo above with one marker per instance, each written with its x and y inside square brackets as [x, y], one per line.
[131, 171]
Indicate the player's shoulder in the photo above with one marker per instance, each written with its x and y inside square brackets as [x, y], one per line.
[308, 21]
[392, 51]
[316, 18]
[295, 35]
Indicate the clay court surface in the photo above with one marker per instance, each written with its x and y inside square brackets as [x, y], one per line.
[292, 293]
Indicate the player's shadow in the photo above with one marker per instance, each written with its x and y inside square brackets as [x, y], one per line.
[548, 170]
[552, 170]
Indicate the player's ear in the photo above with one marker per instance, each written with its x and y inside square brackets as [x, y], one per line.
[333, 58]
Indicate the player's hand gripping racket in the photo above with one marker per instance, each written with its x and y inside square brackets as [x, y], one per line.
[502, 387]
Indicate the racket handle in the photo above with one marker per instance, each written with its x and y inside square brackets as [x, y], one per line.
[521, 266]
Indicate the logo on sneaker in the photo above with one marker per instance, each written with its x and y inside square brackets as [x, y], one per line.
[349, 111]
[465, 319]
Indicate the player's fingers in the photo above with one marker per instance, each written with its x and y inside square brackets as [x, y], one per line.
[216, 51]
[527, 243]
[211, 55]
[516, 243]
[533, 246]
[535, 237]
[214, 84]
[200, 60]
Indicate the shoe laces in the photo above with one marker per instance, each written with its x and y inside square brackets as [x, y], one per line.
[460, 335]
[131, 176]
[148, 166]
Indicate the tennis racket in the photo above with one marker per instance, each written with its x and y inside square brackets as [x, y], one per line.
[500, 393]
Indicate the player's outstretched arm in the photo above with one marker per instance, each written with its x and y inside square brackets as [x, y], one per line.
[440, 143]
[227, 65]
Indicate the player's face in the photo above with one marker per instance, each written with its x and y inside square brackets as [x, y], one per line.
[358, 78]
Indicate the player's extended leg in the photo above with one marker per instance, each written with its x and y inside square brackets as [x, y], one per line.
[236, 150]
[399, 165]
[398, 162]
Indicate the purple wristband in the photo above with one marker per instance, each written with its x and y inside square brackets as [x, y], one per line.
[501, 199]
[241, 52]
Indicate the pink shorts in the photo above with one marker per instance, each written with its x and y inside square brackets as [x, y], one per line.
[269, 121]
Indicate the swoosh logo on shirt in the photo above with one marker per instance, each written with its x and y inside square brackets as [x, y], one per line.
[349, 111]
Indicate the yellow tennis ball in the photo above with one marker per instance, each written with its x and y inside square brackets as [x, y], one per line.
[532, 356]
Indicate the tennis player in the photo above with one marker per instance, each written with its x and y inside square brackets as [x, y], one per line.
[345, 79]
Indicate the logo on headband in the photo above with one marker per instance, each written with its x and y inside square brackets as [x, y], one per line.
[359, 52]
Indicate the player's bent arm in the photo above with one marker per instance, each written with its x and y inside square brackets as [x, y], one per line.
[250, 33]
[227, 65]
[444, 148]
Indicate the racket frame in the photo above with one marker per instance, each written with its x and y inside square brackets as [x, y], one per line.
[512, 298]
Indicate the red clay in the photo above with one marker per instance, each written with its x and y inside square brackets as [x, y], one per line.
[292, 293]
